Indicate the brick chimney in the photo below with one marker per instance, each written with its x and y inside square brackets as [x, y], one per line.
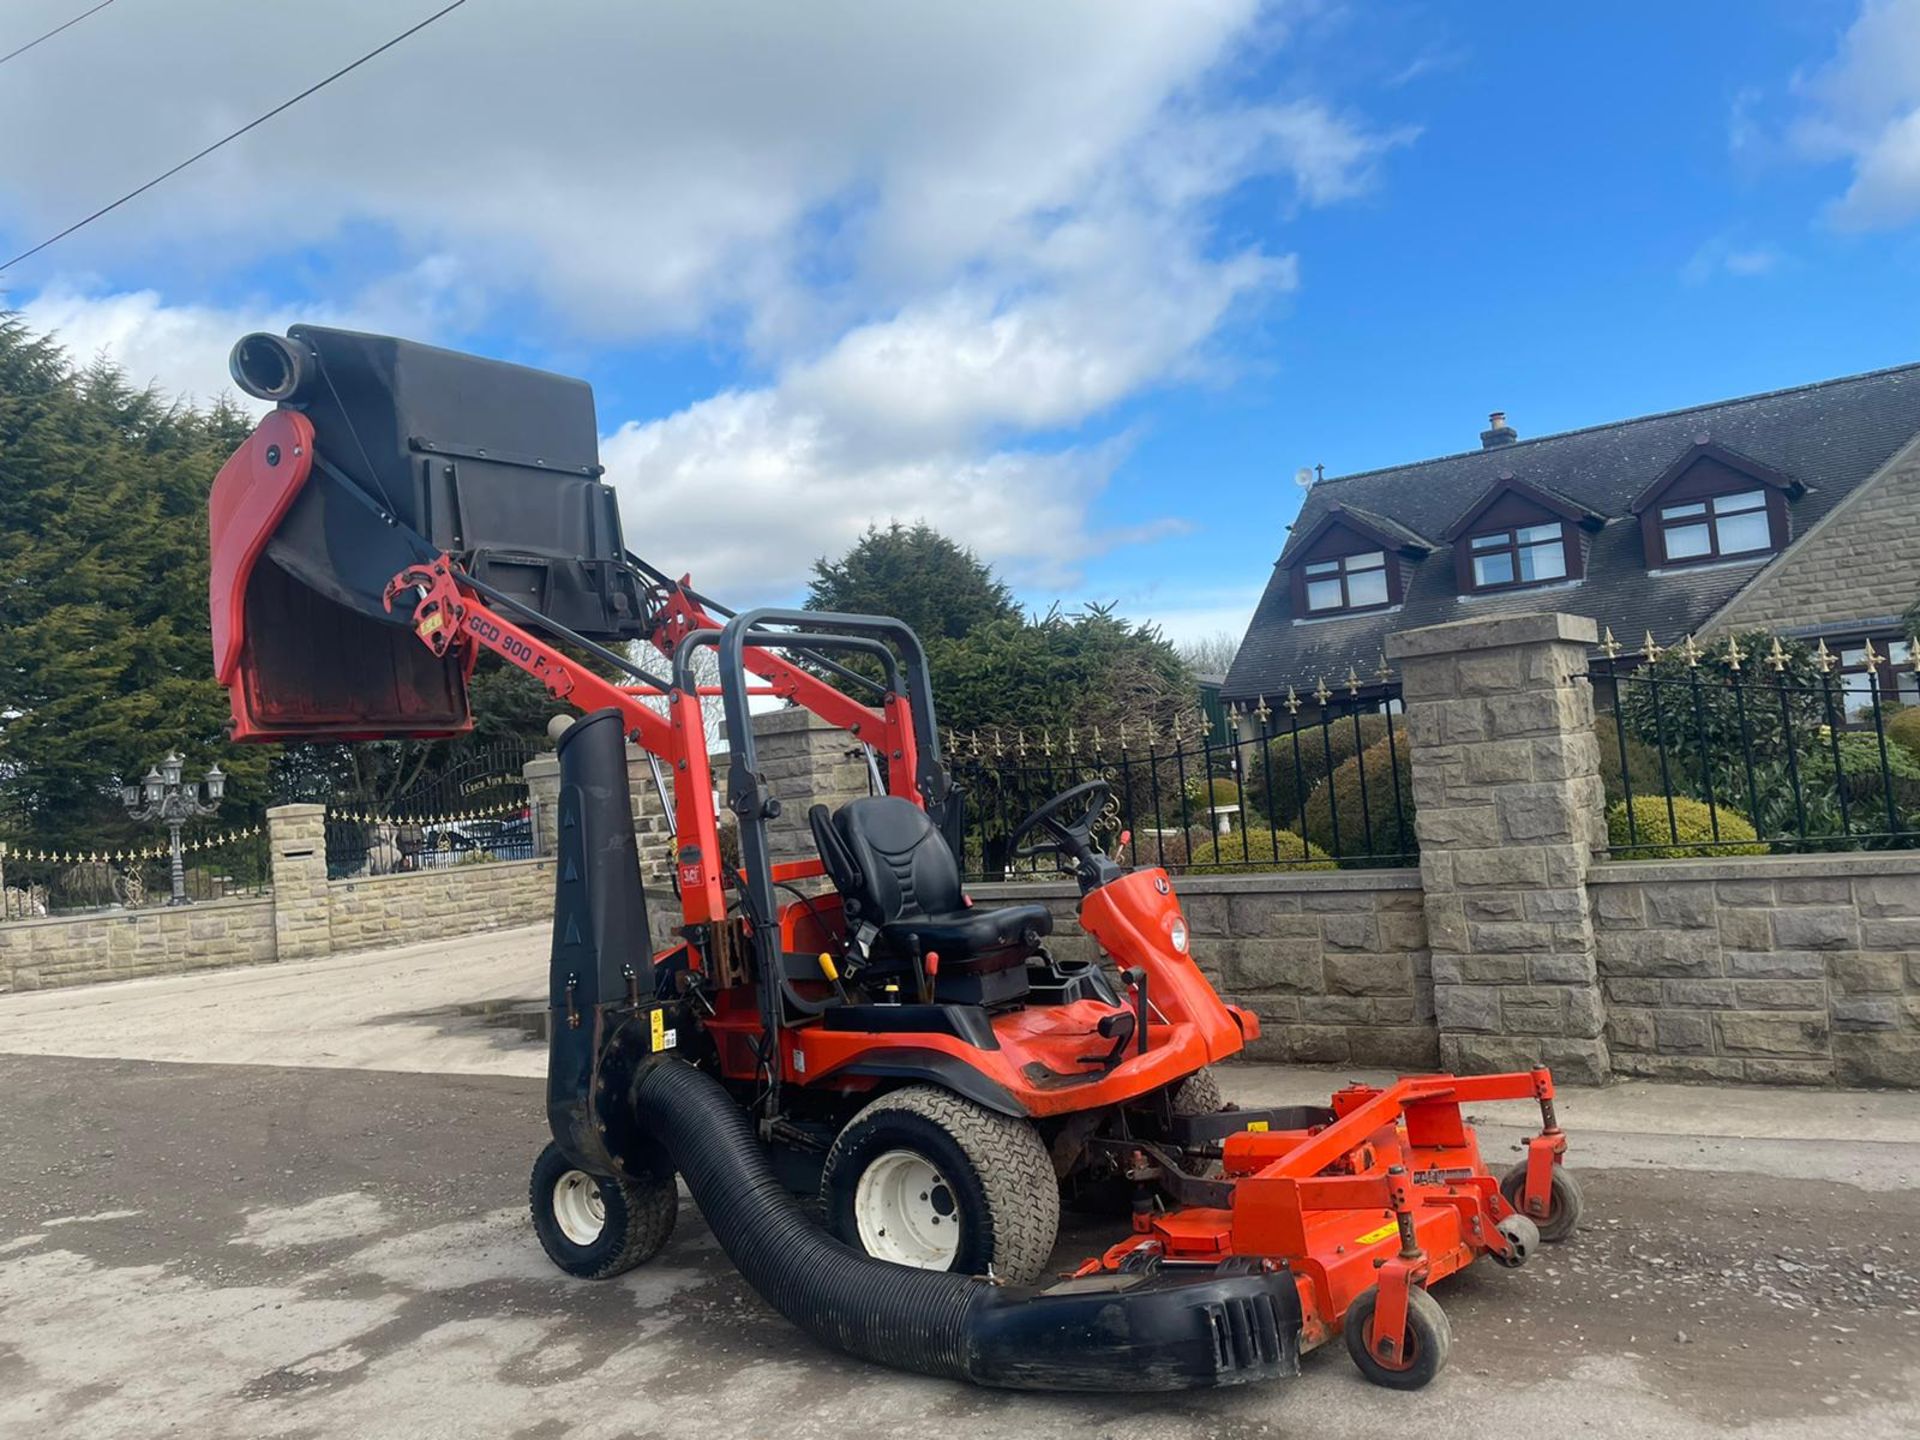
[1498, 432]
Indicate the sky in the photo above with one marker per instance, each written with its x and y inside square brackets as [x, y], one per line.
[1083, 285]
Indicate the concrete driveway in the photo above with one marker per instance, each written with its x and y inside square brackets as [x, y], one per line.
[290, 1202]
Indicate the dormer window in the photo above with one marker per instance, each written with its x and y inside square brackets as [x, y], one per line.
[1717, 528]
[1713, 504]
[1353, 582]
[1524, 555]
[1349, 561]
[1518, 534]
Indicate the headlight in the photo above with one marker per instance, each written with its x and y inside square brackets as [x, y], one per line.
[1177, 932]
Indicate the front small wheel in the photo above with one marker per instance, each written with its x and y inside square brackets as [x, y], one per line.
[1423, 1349]
[1564, 1201]
[596, 1226]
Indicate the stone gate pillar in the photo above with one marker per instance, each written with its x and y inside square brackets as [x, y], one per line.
[1510, 811]
[302, 904]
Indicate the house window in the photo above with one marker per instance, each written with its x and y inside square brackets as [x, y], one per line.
[1524, 555]
[1353, 582]
[1892, 676]
[1716, 528]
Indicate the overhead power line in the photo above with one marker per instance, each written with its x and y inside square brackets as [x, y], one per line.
[232, 136]
[55, 31]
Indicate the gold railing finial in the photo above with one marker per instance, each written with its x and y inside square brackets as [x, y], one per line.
[1609, 646]
[1650, 649]
[1690, 652]
[1777, 656]
[1293, 702]
[1734, 653]
[1823, 657]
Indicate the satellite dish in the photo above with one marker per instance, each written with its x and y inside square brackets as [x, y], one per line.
[1303, 477]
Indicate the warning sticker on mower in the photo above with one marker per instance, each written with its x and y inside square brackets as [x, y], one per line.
[663, 1038]
[1374, 1237]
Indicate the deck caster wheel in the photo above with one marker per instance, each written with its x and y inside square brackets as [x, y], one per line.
[925, 1178]
[1425, 1345]
[1524, 1238]
[1564, 1201]
[595, 1227]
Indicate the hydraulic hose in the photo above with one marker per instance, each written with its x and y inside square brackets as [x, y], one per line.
[1140, 1330]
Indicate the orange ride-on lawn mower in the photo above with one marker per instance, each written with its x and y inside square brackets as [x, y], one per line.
[921, 1064]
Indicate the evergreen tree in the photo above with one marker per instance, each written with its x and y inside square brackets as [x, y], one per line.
[992, 665]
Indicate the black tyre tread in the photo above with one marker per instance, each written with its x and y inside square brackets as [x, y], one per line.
[1568, 1200]
[647, 1210]
[1199, 1094]
[1012, 1162]
[1424, 1317]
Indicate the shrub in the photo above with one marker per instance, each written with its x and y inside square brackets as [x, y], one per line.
[1256, 848]
[1322, 751]
[1689, 835]
[1903, 729]
[1375, 829]
[1697, 711]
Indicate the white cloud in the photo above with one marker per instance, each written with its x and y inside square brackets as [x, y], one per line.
[1865, 108]
[951, 239]
[1728, 255]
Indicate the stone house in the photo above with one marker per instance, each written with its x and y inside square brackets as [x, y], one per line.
[1794, 511]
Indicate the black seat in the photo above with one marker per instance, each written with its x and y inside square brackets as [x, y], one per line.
[896, 873]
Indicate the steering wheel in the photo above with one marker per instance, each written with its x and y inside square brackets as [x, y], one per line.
[1067, 818]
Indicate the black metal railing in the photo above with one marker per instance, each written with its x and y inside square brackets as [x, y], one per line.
[1319, 790]
[217, 862]
[1753, 746]
[475, 810]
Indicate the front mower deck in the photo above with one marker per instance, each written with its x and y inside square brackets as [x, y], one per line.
[1367, 1203]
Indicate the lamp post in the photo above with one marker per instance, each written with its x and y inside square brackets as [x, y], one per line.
[162, 796]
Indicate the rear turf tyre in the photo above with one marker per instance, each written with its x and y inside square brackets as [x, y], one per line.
[1427, 1341]
[594, 1227]
[1564, 1201]
[922, 1177]
[1198, 1094]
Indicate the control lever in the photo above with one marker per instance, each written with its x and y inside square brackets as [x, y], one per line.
[1136, 978]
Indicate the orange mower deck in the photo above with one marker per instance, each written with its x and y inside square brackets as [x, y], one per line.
[1369, 1210]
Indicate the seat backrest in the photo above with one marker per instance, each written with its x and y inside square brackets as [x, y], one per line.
[901, 866]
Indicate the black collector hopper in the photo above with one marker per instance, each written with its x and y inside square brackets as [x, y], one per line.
[383, 453]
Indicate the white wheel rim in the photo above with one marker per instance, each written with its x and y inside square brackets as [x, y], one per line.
[906, 1212]
[578, 1207]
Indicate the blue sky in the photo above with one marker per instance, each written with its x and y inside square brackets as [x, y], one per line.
[1082, 284]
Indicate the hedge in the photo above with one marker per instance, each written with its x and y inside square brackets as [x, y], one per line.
[1375, 831]
[1690, 830]
[1257, 848]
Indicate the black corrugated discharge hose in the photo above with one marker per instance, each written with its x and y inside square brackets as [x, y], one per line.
[1140, 1332]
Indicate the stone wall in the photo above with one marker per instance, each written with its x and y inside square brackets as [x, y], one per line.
[433, 904]
[1789, 970]
[85, 949]
[1334, 964]
[1842, 570]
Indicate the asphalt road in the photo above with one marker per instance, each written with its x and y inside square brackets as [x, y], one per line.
[253, 1250]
